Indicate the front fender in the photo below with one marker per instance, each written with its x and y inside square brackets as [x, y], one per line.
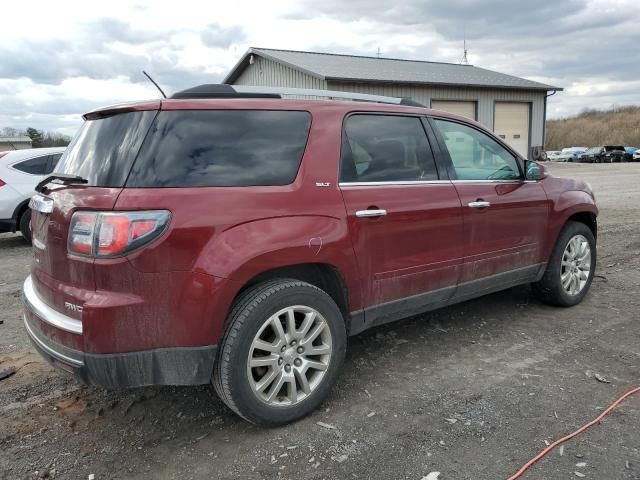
[566, 205]
[246, 250]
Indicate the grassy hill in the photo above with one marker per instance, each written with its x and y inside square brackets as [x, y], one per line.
[591, 128]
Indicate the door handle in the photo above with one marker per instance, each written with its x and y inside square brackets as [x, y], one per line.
[479, 204]
[370, 213]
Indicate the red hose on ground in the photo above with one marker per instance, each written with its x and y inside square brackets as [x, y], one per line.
[577, 432]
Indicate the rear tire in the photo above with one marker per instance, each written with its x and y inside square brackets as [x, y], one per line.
[268, 370]
[25, 224]
[571, 267]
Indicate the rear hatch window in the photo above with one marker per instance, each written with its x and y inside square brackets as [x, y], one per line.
[221, 148]
[103, 150]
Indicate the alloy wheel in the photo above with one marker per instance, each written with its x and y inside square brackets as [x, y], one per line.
[289, 356]
[576, 265]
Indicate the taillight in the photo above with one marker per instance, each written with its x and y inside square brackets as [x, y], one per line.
[111, 234]
[2, 183]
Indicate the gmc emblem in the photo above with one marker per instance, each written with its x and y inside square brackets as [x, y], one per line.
[73, 307]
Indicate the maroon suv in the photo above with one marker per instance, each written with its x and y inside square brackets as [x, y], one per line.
[231, 236]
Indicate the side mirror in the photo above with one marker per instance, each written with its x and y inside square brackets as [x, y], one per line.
[533, 171]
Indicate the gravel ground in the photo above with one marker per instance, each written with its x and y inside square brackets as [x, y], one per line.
[472, 391]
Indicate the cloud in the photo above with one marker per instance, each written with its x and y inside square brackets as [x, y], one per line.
[222, 37]
[56, 66]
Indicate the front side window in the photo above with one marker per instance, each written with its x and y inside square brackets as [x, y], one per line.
[385, 148]
[34, 166]
[475, 155]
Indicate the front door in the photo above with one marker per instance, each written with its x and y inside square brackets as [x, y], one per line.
[505, 217]
[404, 221]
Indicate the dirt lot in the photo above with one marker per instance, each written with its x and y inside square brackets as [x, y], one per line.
[472, 391]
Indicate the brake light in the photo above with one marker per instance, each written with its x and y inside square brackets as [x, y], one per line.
[111, 234]
[2, 183]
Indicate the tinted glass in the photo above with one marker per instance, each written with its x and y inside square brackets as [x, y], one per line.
[475, 155]
[54, 161]
[220, 148]
[34, 166]
[385, 148]
[103, 150]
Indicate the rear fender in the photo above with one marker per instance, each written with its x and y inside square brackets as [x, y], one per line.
[244, 251]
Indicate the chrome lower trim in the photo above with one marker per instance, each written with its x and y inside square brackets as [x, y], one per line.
[50, 351]
[47, 314]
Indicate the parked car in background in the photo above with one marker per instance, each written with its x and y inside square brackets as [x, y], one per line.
[218, 249]
[553, 155]
[571, 154]
[20, 172]
[636, 156]
[604, 154]
[628, 153]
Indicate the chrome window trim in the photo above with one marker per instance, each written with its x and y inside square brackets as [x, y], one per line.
[400, 182]
[48, 349]
[489, 181]
[47, 314]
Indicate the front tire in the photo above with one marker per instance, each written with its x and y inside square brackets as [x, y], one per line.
[571, 267]
[282, 351]
[25, 224]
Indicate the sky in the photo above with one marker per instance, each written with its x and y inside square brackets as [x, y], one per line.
[61, 59]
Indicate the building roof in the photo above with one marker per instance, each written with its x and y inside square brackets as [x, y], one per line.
[17, 139]
[330, 66]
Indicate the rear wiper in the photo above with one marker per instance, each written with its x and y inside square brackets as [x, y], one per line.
[62, 179]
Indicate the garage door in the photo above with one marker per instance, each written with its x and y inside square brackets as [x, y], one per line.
[465, 109]
[512, 125]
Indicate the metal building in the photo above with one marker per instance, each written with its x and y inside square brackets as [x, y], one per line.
[15, 143]
[513, 107]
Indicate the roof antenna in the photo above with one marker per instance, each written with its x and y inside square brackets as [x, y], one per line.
[378, 53]
[156, 85]
[465, 60]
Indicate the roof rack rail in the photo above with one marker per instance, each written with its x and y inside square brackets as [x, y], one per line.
[245, 91]
[364, 97]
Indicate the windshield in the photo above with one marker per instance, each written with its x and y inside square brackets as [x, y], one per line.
[103, 150]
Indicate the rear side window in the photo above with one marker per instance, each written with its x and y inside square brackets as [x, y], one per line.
[34, 166]
[103, 150]
[222, 148]
[385, 148]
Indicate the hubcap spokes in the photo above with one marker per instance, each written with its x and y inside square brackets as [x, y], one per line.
[576, 265]
[289, 356]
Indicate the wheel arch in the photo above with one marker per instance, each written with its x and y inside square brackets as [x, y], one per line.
[325, 276]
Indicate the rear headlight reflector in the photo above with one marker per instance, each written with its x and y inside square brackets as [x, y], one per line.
[112, 234]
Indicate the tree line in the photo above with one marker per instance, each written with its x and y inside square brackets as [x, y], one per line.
[595, 128]
[39, 138]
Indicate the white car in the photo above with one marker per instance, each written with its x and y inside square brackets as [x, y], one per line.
[552, 155]
[20, 172]
[636, 156]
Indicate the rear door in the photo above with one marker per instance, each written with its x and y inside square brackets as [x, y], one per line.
[505, 216]
[404, 220]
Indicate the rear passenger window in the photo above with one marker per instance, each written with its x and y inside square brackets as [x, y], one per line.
[385, 148]
[221, 148]
[34, 166]
[475, 155]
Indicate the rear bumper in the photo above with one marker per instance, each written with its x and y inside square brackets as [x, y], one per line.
[162, 366]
